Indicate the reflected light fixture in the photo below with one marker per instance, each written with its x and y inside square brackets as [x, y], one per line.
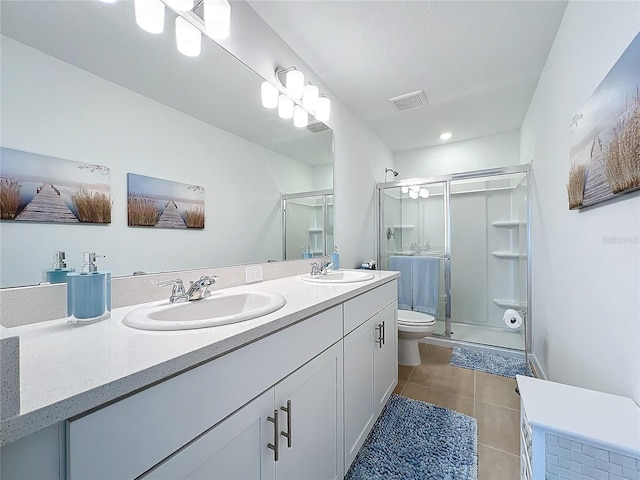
[323, 112]
[310, 97]
[424, 193]
[444, 136]
[181, 5]
[149, 15]
[413, 193]
[285, 106]
[300, 117]
[404, 189]
[188, 38]
[217, 18]
[108, 1]
[269, 95]
[294, 83]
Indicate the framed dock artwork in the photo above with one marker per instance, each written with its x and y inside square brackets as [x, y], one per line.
[40, 188]
[605, 136]
[153, 202]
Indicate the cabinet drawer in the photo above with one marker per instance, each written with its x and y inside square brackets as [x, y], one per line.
[359, 309]
[128, 437]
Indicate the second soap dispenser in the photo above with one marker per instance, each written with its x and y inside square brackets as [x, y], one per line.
[88, 292]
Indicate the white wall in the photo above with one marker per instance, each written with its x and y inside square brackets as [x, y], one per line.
[477, 154]
[586, 265]
[65, 112]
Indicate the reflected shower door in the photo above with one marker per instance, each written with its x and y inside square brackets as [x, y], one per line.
[488, 258]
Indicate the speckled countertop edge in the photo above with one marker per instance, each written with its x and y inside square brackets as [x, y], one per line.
[52, 353]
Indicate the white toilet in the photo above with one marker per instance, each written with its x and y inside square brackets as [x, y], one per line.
[411, 327]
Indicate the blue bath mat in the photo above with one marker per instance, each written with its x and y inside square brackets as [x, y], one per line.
[488, 362]
[417, 440]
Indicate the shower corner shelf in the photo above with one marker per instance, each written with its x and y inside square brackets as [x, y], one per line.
[508, 303]
[509, 223]
[510, 255]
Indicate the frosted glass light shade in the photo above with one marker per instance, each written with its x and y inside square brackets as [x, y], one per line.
[217, 18]
[149, 15]
[269, 95]
[424, 193]
[182, 5]
[310, 97]
[404, 189]
[188, 38]
[413, 194]
[285, 106]
[295, 83]
[323, 112]
[300, 117]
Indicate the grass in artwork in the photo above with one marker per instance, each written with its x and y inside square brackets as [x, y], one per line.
[92, 207]
[9, 198]
[142, 211]
[575, 187]
[194, 218]
[622, 155]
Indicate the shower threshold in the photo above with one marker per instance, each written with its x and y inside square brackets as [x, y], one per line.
[482, 335]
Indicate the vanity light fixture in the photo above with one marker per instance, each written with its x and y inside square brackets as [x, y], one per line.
[295, 84]
[285, 106]
[444, 136]
[269, 95]
[323, 112]
[404, 190]
[217, 18]
[413, 194]
[300, 117]
[188, 38]
[149, 15]
[310, 97]
[424, 193]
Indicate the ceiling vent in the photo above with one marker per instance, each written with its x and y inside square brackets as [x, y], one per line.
[410, 101]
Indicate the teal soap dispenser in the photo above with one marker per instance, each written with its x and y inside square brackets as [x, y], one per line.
[58, 271]
[88, 292]
[335, 258]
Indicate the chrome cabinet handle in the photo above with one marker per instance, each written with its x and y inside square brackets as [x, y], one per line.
[380, 340]
[274, 446]
[287, 434]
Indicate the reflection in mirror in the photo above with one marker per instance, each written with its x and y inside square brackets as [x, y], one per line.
[81, 82]
[307, 224]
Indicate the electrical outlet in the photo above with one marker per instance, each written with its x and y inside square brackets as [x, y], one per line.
[254, 274]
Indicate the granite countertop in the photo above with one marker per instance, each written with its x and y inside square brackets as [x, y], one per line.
[66, 370]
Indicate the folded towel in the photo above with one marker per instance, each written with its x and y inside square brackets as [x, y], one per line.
[404, 265]
[426, 278]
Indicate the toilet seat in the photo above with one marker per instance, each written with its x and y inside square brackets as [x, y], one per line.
[410, 318]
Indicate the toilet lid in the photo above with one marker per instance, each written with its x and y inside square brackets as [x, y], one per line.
[411, 318]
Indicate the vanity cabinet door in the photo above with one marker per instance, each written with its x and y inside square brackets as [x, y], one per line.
[235, 449]
[313, 424]
[370, 375]
[386, 357]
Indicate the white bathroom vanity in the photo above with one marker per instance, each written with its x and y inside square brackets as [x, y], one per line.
[292, 394]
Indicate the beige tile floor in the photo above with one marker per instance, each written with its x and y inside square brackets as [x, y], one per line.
[491, 399]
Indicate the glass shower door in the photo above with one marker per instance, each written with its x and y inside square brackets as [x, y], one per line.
[412, 223]
[488, 258]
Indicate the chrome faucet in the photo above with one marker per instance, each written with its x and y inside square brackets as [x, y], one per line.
[197, 290]
[320, 268]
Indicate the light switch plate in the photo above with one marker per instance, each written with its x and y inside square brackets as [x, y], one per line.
[254, 274]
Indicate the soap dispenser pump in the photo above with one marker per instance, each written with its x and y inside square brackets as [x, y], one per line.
[58, 271]
[89, 292]
[335, 258]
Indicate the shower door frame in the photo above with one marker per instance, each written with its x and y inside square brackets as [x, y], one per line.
[446, 180]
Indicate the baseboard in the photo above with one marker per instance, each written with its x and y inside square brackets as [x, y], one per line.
[535, 364]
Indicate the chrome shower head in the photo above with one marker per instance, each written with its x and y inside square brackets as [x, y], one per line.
[387, 170]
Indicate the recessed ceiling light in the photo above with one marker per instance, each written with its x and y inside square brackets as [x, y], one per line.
[444, 136]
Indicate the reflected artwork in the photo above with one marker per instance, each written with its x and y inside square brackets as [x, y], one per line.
[153, 202]
[39, 188]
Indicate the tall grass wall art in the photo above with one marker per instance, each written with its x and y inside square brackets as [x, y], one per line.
[605, 151]
[153, 202]
[39, 188]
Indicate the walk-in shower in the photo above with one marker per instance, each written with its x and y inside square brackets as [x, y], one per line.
[476, 224]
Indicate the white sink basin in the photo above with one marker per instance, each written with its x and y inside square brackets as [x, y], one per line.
[219, 309]
[339, 276]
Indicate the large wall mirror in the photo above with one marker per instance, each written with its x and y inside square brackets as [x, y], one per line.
[81, 82]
